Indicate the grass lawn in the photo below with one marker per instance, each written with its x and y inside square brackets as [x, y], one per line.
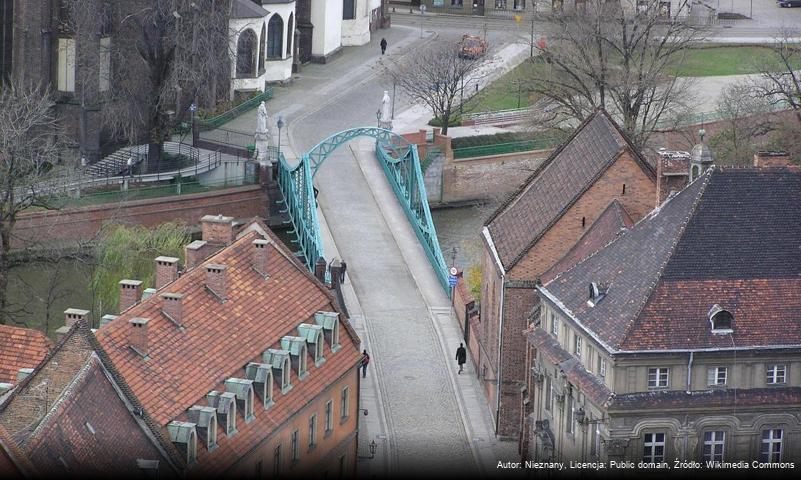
[505, 92]
[715, 61]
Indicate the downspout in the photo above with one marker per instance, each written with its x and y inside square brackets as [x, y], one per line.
[689, 372]
[491, 244]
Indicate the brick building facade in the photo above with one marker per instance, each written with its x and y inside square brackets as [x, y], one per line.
[536, 227]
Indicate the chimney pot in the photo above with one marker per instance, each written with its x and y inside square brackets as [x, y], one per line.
[217, 229]
[215, 279]
[106, 319]
[261, 254]
[166, 270]
[138, 336]
[319, 269]
[72, 315]
[195, 253]
[130, 292]
[173, 307]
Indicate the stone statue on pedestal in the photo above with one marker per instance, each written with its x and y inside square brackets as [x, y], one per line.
[262, 137]
[386, 112]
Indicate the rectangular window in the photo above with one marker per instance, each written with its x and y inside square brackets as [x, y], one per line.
[713, 446]
[716, 376]
[313, 431]
[596, 442]
[601, 366]
[329, 416]
[548, 393]
[658, 377]
[348, 9]
[653, 447]
[554, 326]
[343, 407]
[277, 460]
[66, 65]
[569, 415]
[771, 450]
[104, 82]
[577, 346]
[776, 374]
[456, 3]
[295, 447]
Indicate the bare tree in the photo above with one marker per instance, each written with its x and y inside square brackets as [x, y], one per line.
[166, 55]
[436, 77]
[28, 146]
[747, 122]
[779, 81]
[607, 56]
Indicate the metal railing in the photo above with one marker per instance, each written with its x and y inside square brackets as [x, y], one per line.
[215, 122]
[507, 147]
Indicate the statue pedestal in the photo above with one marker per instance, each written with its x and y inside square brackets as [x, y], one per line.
[385, 125]
[262, 152]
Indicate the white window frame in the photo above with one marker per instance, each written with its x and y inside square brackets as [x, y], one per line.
[329, 416]
[577, 345]
[313, 431]
[569, 413]
[601, 366]
[650, 443]
[343, 406]
[660, 376]
[771, 447]
[554, 326]
[295, 445]
[712, 440]
[774, 372]
[65, 66]
[717, 376]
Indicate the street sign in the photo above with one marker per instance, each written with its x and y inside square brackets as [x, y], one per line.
[452, 280]
[453, 271]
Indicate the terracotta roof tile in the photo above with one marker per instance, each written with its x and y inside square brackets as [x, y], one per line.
[20, 348]
[517, 225]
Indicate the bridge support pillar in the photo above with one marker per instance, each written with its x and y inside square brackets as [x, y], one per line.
[319, 269]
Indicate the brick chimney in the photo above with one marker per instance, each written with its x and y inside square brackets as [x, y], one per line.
[261, 253]
[72, 315]
[166, 271]
[138, 336]
[771, 159]
[195, 253]
[672, 173]
[215, 279]
[217, 229]
[130, 292]
[172, 306]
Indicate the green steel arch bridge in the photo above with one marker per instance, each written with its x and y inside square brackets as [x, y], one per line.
[401, 164]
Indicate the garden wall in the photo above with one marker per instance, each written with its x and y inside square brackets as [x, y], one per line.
[83, 224]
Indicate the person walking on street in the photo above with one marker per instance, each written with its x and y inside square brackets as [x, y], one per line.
[383, 45]
[342, 268]
[365, 361]
[461, 357]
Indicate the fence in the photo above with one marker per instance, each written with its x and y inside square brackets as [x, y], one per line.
[501, 148]
[217, 121]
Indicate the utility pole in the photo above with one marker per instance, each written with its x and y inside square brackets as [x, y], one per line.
[531, 45]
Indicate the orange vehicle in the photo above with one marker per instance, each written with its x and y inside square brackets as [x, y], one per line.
[472, 46]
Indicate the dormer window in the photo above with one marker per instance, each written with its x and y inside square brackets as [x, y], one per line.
[205, 420]
[597, 293]
[225, 403]
[314, 338]
[243, 389]
[279, 360]
[184, 436]
[296, 346]
[720, 319]
[262, 376]
[330, 323]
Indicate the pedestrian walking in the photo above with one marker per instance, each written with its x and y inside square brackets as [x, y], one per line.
[383, 45]
[461, 356]
[342, 268]
[365, 361]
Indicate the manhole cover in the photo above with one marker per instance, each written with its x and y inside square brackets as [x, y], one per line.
[409, 377]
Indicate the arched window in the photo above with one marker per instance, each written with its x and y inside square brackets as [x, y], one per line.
[289, 32]
[246, 49]
[275, 36]
[262, 50]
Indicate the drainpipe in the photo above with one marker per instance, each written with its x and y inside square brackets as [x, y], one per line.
[689, 372]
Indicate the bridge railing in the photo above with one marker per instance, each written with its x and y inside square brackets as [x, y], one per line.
[301, 206]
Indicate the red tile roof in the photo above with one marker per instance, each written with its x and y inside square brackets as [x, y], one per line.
[20, 348]
[13, 462]
[220, 339]
[556, 185]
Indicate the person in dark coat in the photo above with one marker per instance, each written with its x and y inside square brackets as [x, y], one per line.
[383, 45]
[342, 268]
[461, 357]
[365, 361]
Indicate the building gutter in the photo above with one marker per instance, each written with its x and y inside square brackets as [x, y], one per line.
[491, 244]
[613, 351]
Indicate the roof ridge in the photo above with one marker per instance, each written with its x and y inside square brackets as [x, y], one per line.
[702, 189]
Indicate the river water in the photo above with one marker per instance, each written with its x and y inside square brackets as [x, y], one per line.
[460, 228]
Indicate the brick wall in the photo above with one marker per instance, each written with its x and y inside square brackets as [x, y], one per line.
[81, 224]
[485, 177]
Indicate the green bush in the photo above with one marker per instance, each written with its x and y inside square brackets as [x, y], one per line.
[456, 121]
[504, 137]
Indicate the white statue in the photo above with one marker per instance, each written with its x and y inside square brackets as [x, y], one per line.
[386, 109]
[261, 119]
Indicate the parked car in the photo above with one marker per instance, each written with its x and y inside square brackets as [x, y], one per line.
[789, 3]
[472, 46]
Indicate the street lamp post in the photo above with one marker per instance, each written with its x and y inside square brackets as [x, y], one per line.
[378, 118]
[280, 124]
